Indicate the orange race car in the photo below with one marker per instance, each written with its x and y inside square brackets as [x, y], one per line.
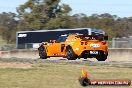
[73, 46]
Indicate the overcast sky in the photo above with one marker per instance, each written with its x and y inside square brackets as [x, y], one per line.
[121, 8]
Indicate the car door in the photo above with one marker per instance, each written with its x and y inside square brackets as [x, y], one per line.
[57, 49]
[58, 46]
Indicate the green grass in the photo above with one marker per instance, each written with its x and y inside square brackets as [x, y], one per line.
[45, 75]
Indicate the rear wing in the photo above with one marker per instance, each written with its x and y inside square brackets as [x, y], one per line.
[100, 37]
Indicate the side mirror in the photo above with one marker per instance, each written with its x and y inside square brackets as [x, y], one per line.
[105, 37]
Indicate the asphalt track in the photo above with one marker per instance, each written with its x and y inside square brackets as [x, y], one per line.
[89, 61]
[60, 60]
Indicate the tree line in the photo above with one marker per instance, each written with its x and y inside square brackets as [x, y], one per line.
[50, 14]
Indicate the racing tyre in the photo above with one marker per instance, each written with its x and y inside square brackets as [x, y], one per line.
[101, 58]
[42, 53]
[70, 54]
[85, 57]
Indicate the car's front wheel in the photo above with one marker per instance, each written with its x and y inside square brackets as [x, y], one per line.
[42, 53]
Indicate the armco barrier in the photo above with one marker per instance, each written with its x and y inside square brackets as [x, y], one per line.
[121, 54]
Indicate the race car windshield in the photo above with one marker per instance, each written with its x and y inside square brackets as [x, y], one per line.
[61, 39]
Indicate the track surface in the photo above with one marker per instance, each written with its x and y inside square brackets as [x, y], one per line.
[58, 60]
[86, 61]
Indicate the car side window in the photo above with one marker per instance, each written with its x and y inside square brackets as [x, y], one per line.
[61, 39]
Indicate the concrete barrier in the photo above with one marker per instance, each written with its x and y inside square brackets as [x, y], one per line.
[114, 54]
[120, 54]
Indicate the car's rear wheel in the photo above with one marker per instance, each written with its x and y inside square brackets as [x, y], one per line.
[101, 58]
[42, 53]
[70, 54]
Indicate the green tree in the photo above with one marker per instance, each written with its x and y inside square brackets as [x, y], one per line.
[34, 14]
[8, 25]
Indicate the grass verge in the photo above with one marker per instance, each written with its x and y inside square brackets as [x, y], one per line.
[49, 75]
